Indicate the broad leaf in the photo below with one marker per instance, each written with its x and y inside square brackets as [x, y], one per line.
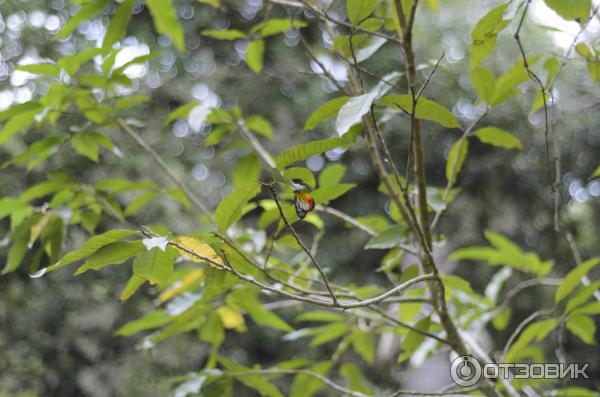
[456, 158]
[352, 112]
[484, 34]
[571, 9]
[535, 331]
[117, 26]
[230, 34]
[358, 10]
[325, 112]
[166, 22]
[498, 137]
[389, 238]
[196, 250]
[91, 246]
[584, 327]
[111, 254]
[229, 210]
[306, 150]
[86, 12]
[426, 109]
[254, 55]
[573, 278]
[154, 265]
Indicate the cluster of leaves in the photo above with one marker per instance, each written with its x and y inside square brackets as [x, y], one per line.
[198, 289]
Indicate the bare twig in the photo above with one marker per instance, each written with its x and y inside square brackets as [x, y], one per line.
[299, 241]
[194, 199]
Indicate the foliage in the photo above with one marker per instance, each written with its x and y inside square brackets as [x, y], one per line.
[221, 266]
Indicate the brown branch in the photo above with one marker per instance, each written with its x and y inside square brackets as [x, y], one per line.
[299, 241]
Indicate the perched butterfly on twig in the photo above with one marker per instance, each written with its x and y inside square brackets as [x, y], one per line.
[304, 203]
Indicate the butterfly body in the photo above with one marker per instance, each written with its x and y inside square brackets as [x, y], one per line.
[304, 203]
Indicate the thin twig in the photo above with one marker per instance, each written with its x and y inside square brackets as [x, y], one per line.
[299, 241]
[324, 379]
[194, 199]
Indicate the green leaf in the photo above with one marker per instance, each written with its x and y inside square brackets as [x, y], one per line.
[111, 254]
[247, 170]
[17, 123]
[181, 112]
[72, 63]
[485, 33]
[138, 203]
[331, 175]
[326, 111]
[152, 320]
[19, 238]
[275, 26]
[506, 85]
[301, 173]
[573, 279]
[117, 185]
[229, 210]
[498, 137]
[571, 9]
[352, 112]
[413, 340]
[389, 238]
[8, 205]
[320, 316]
[584, 327]
[247, 300]
[505, 252]
[85, 145]
[363, 343]
[596, 173]
[19, 108]
[260, 125]
[91, 246]
[230, 34]
[484, 83]
[456, 158]
[212, 331]
[86, 12]
[534, 331]
[134, 283]
[354, 378]
[254, 381]
[328, 333]
[582, 295]
[130, 101]
[166, 22]
[305, 385]
[41, 189]
[426, 109]
[117, 27]
[45, 69]
[155, 265]
[254, 55]
[329, 193]
[594, 70]
[358, 10]
[306, 150]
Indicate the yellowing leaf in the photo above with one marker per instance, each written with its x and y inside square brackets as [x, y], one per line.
[181, 285]
[231, 318]
[197, 251]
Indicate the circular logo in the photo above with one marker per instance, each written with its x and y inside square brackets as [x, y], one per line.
[465, 371]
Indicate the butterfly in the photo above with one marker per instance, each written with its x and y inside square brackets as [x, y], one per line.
[304, 203]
